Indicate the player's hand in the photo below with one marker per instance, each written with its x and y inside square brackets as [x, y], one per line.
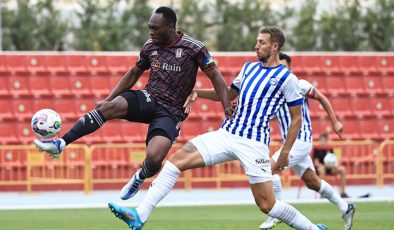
[338, 128]
[189, 101]
[283, 162]
[229, 111]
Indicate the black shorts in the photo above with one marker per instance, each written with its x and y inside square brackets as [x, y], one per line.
[144, 109]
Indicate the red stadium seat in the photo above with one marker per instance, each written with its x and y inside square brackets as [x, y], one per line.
[373, 84]
[118, 64]
[80, 86]
[6, 111]
[23, 109]
[5, 86]
[3, 64]
[37, 64]
[16, 63]
[342, 106]
[362, 106]
[331, 65]
[388, 84]
[19, 86]
[113, 81]
[24, 132]
[84, 105]
[111, 132]
[203, 82]
[205, 109]
[100, 85]
[386, 64]
[76, 64]
[97, 64]
[369, 129]
[316, 110]
[60, 85]
[369, 64]
[381, 106]
[355, 85]
[312, 65]
[386, 128]
[40, 85]
[351, 128]
[336, 84]
[8, 132]
[318, 81]
[190, 129]
[44, 103]
[275, 134]
[133, 131]
[349, 65]
[56, 64]
[66, 108]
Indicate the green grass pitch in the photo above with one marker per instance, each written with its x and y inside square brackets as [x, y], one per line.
[368, 216]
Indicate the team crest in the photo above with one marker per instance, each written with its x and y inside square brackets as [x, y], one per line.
[178, 53]
[273, 81]
[155, 65]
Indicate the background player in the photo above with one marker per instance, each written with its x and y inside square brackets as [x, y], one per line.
[173, 59]
[299, 159]
[262, 88]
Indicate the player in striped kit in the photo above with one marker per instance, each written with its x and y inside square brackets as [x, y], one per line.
[262, 88]
[299, 159]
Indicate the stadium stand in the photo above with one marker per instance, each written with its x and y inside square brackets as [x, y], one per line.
[360, 88]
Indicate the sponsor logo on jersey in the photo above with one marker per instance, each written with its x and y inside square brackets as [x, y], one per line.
[156, 65]
[178, 53]
[262, 161]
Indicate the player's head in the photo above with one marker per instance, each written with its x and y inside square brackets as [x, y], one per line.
[285, 60]
[162, 24]
[323, 138]
[269, 42]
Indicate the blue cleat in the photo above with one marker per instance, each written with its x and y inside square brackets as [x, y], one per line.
[132, 187]
[52, 147]
[128, 215]
[322, 226]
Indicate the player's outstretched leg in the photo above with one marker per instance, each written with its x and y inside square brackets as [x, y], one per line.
[271, 222]
[52, 147]
[128, 215]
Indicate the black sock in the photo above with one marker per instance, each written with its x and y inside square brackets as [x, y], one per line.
[87, 124]
[147, 172]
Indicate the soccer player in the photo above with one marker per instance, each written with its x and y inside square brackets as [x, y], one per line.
[299, 159]
[173, 59]
[262, 88]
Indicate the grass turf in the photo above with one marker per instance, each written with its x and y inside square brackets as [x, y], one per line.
[368, 216]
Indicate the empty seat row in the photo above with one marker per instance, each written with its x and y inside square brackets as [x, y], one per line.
[66, 63]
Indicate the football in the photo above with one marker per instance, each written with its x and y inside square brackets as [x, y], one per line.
[330, 160]
[46, 123]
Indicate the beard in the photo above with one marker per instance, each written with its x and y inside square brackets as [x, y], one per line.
[264, 58]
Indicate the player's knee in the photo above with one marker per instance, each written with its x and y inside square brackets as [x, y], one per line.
[265, 206]
[153, 163]
[113, 109]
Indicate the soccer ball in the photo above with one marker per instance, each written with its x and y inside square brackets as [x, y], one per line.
[330, 160]
[46, 123]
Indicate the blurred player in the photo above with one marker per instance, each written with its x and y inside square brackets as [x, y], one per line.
[173, 59]
[319, 152]
[262, 88]
[299, 159]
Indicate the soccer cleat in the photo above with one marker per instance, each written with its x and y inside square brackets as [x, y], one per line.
[132, 187]
[270, 223]
[52, 147]
[348, 216]
[128, 215]
[322, 226]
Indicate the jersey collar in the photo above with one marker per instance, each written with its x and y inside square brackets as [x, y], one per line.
[179, 38]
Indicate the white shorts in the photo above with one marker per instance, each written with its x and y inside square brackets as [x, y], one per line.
[299, 158]
[220, 146]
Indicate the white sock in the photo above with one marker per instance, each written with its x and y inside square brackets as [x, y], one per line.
[159, 188]
[277, 185]
[62, 144]
[326, 191]
[291, 216]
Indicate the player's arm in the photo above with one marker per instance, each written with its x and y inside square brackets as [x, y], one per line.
[127, 81]
[323, 100]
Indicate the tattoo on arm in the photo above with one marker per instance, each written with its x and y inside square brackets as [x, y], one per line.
[189, 147]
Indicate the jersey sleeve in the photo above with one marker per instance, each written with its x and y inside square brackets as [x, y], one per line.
[236, 84]
[292, 91]
[143, 60]
[307, 89]
[204, 59]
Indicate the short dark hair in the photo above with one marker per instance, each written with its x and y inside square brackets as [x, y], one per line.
[323, 135]
[168, 14]
[276, 35]
[283, 56]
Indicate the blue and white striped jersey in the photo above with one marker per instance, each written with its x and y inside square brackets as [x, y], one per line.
[261, 92]
[284, 118]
